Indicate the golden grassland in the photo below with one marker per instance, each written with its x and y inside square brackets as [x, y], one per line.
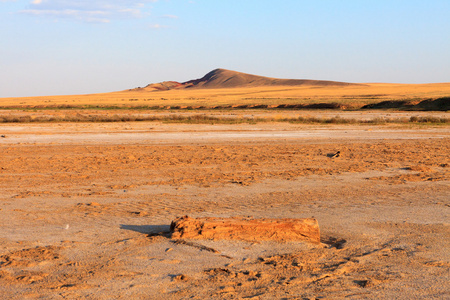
[352, 96]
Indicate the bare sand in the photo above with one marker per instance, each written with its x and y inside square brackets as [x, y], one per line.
[83, 206]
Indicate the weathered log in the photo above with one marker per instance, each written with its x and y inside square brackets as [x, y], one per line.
[246, 229]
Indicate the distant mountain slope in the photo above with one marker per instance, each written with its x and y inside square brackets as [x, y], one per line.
[222, 78]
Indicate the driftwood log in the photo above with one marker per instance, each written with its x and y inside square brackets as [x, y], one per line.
[246, 229]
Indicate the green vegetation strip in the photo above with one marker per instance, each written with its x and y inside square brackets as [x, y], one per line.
[438, 104]
[202, 119]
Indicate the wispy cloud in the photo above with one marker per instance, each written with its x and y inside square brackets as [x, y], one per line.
[170, 17]
[158, 26]
[89, 10]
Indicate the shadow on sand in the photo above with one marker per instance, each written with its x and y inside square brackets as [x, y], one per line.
[148, 229]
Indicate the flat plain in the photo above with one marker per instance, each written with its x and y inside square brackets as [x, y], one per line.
[351, 96]
[85, 206]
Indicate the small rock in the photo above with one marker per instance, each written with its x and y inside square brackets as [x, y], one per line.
[334, 155]
[227, 289]
[362, 283]
[180, 277]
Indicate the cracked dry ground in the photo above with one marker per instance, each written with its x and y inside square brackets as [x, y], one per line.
[81, 221]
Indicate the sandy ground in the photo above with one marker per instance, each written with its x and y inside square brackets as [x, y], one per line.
[84, 209]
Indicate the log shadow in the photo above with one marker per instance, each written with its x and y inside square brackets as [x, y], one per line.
[151, 230]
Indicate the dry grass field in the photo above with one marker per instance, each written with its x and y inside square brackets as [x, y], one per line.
[351, 96]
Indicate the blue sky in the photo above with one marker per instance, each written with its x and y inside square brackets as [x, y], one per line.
[57, 47]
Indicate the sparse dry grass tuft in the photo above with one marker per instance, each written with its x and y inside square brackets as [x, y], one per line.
[206, 119]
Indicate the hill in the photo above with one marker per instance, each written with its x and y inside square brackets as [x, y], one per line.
[222, 78]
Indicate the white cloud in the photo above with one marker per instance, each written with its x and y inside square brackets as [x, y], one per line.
[88, 16]
[170, 16]
[89, 10]
[158, 26]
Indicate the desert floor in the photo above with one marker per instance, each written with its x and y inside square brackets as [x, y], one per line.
[85, 207]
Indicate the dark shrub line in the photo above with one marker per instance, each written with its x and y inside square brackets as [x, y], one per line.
[439, 104]
[202, 119]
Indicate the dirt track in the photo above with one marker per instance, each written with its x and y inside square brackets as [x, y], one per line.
[78, 202]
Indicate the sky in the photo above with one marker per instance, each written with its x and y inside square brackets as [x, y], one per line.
[62, 47]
